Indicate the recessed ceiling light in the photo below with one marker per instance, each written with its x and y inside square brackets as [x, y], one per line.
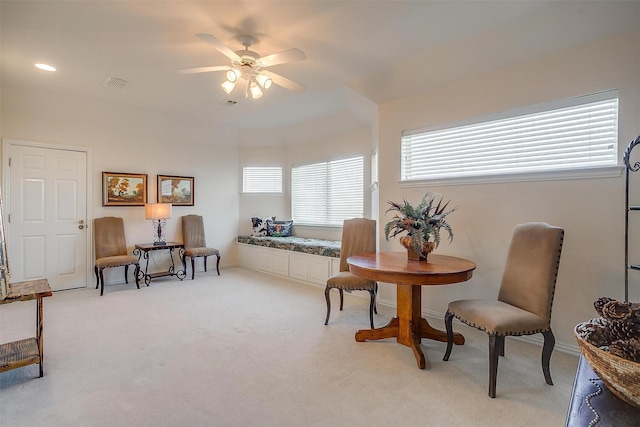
[45, 67]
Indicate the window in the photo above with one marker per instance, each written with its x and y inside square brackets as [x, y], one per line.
[259, 179]
[327, 193]
[571, 134]
[374, 169]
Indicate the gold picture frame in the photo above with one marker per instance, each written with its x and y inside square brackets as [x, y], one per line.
[177, 190]
[124, 189]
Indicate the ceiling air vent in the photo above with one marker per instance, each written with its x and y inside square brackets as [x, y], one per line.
[116, 82]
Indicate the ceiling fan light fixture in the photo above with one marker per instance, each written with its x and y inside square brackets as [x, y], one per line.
[255, 91]
[264, 81]
[246, 67]
[228, 86]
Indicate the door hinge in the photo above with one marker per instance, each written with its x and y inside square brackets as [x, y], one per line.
[9, 161]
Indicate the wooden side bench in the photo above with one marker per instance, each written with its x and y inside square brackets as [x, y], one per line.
[308, 260]
[26, 351]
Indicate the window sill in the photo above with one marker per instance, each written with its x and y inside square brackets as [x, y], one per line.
[587, 173]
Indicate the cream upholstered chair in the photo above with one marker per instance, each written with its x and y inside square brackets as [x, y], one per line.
[194, 243]
[111, 249]
[358, 237]
[525, 298]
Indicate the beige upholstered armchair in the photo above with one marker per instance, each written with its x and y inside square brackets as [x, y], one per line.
[111, 249]
[195, 244]
[358, 237]
[525, 298]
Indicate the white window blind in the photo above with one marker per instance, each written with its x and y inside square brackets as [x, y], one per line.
[327, 193]
[261, 179]
[569, 134]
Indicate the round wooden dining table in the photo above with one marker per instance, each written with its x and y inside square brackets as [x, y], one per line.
[408, 326]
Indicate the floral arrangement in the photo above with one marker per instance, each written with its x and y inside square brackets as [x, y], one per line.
[421, 223]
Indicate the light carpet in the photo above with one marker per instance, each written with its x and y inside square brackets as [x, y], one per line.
[249, 349]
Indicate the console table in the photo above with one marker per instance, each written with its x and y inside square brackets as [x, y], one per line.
[593, 405]
[27, 351]
[142, 251]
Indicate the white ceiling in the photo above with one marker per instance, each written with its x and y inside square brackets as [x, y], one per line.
[379, 50]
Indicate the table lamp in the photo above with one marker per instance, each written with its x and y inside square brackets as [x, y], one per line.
[158, 213]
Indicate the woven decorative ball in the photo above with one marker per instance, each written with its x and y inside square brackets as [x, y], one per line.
[621, 376]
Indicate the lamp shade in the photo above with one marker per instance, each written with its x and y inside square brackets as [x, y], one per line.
[158, 210]
[228, 86]
[264, 81]
[232, 75]
[255, 91]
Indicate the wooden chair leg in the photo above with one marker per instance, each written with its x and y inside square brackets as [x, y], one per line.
[372, 305]
[137, 272]
[341, 298]
[375, 306]
[193, 268]
[205, 263]
[101, 282]
[448, 323]
[326, 297]
[126, 274]
[501, 342]
[549, 343]
[95, 269]
[218, 265]
[494, 355]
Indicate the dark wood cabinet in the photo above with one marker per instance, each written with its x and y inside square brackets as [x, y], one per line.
[593, 405]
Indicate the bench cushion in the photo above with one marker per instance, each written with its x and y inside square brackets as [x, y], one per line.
[330, 248]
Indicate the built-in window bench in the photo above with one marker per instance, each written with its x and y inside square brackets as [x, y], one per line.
[309, 260]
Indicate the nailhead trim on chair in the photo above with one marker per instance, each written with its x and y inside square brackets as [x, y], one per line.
[515, 334]
[555, 279]
[119, 264]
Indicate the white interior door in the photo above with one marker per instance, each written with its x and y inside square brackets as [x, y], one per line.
[47, 226]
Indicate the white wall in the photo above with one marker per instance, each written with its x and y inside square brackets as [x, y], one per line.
[129, 140]
[342, 145]
[591, 211]
[263, 204]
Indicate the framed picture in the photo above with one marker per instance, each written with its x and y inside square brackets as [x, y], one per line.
[124, 189]
[177, 190]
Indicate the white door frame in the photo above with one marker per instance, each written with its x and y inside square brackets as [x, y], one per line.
[6, 194]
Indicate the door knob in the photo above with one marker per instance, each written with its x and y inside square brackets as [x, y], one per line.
[81, 226]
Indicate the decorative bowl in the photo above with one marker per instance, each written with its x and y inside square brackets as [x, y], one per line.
[621, 376]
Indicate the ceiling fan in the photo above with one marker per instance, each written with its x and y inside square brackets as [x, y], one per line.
[247, 67]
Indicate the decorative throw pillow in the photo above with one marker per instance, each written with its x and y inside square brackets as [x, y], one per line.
[259, 225]
[279, 228]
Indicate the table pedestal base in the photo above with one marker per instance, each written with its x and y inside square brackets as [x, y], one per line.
[409, 327]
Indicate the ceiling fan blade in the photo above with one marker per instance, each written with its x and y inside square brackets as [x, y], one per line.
[208, 38]
[282, 57]
[204, 69]
[283, 81]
